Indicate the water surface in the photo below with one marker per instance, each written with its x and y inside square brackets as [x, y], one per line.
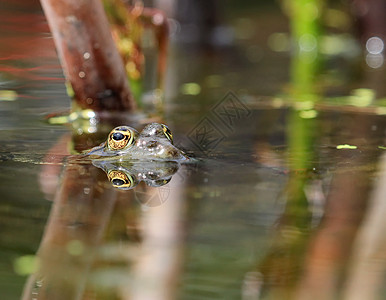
[278, 204]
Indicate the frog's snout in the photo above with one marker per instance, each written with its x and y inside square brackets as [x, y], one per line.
[98, 150]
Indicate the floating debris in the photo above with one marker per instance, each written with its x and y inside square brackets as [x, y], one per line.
[190, 88]
[308, 114]
[86, 114]
[8, 95]
[346, 146]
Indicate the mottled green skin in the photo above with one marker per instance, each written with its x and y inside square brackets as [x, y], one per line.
[151, 144]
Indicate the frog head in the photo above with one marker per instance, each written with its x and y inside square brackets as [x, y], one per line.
[155, 142]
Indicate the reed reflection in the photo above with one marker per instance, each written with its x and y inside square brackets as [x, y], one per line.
[328, 194]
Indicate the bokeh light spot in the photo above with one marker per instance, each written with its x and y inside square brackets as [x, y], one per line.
[190, 88]
[279, 42]
[374, 61]
[75, 247]
[26, 264]
[307, 42]
[374, 45]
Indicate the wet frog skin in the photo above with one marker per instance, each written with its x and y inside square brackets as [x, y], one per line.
[128, 157]
[154, 143]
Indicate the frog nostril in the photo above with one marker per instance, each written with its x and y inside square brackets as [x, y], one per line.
[151, 144]
[117, 182]
[117, 136]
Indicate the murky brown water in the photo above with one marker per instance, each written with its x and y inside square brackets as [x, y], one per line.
[280, 203]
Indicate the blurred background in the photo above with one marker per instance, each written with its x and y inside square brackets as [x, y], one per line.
[281, 103]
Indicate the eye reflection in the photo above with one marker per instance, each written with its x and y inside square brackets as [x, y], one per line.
[117, 182]
[159, 182]
[121, 179]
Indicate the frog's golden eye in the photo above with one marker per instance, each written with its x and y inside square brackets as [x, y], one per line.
[121, 138]
[167, 133]
[120, 179]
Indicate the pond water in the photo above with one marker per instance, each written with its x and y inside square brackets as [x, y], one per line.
[283, 199]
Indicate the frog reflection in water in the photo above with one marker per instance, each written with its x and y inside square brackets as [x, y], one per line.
[129, 157]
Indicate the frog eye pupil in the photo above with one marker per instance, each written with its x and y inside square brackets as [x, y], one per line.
[117, 136]
[117, 182]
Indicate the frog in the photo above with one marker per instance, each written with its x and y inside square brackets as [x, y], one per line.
[153, 143]
[129, 157]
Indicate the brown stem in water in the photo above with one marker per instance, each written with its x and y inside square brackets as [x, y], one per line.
[328, 253]
[82, 209]
[89, 58]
